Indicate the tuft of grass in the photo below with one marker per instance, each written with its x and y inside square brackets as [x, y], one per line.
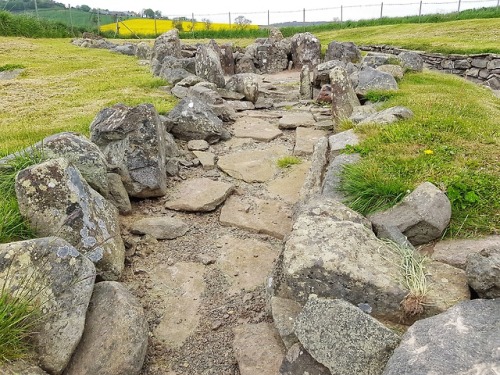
[287, 161]
[375, 96]
[9, 67]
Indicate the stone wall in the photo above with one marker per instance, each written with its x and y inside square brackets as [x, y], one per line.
[481, 68]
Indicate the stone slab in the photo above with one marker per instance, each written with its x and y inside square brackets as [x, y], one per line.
[257, 129]
[207, 159]
[293, 120]
[305, 139]
[288, 186]
[161, 228]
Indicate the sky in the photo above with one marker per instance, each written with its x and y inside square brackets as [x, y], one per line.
[287, 10]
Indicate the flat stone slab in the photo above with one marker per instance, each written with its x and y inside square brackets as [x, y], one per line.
[264, 114]
[257, 129]
[257, 215]
[305, 139]
[177, 290]
[246, 262]
[252, 165]
[199, 195]
[161, 228]
[339, 141]
[10, 74]
[207, 159]
[198, 145]
[240, 105]
[258, 349]
[454, 252]
[293, 120]
[288, 186]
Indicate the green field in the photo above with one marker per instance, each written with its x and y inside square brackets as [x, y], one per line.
[78, 18]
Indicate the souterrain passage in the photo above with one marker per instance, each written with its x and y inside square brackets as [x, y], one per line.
[201, 288]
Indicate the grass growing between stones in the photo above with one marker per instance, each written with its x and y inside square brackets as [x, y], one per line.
[287, 161]
[64, 87]
[452, 141]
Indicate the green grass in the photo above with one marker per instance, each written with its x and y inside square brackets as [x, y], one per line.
[8, 67]
[30, 27]
[78, 18]
[458, 122]
[287, 161]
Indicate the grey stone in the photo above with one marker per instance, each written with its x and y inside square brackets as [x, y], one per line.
[344, 98]
[462, 340]
[118, 194]
[143, 51]
[227, 59]
[174, 75]
[190, 81]
[271, 57]
[198, 145]
[193, 119]
[305, 83]
[341, 140]
[332, 179]
[208, 65]
[170, 62]
[314, 178]
[483, 271]
[180, 91]
[257, 349]
[288, 185]
[134, 142]
[207, 159]
[306, 50]
[256, 128]
[322, 71]
[343, 51]
[411, 61]
[115, 339]
[422, 216]
[10, 74]
[264, 103]
[245, 64]
[375, 59]
[161, 228]
[388, 116]
[372, 79]
[240, 105]
[361, 113]
[125, 49]
[206, 95]
[199, 195]
[299, 362]
[494, 82]
[479, 62]
[344, 338]
[462, 64]
[167, 44]
[493, 64]
[21, 368]
[455, 252]
[56, 201]
[61, 281]
[230, 95]
[246, 84]
[305, 139]
[284, 312]
[292, 120]
[394, 70]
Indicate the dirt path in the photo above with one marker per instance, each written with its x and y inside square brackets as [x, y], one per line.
[197, 288]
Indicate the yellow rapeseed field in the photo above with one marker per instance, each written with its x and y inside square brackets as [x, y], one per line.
[145, 26]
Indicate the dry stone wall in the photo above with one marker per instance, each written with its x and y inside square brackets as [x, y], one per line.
[480, 68]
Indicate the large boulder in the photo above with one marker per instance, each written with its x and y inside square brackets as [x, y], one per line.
[246, 84]
[462, 340]
[167, 44]
[193, 119]
[306, 50]
[174, 75]
[373, 79]
[134, 142]
[128, 49]
[208, 66]
[306, 91]
[344, 98]
[411, 61]
[60, 280]
[322, 71]
[344, 338]
[483, 271]
[271, 58]
[422, 216]
[376, 59]
[227, 59]
[343, 51]
[115, 339]
[143, 51]
[56, 201]
[388, 116]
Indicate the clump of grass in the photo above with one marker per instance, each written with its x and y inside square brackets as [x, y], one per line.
[9, 67]
[288, 161]
[376, 96]
[345, 124]
[393, 61]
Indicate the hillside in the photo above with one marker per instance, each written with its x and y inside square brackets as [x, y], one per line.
[76, 18]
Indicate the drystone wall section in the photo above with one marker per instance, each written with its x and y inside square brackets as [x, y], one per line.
[481, 68]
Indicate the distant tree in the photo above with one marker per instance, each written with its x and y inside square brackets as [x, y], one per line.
[178, 24]
[149, 13]
[208, 23]
[158, 13]
[85, 8]
[242, 22]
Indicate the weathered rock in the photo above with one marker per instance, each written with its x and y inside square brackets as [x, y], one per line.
[375, 59]
[61, 280]
[207, 159]
[305, 90]
[483, 272]
[240, 105]
[198, 145]
[134, 143]
[299, 362]
[325, 94]
[343, 51]
[83, 154]
[246, 263]
[208, 65]
[245, 64]
[246, 84]
[252, 165]
[257, 349]
[332, 179]
[411, 61]
[361, 113]
[306, 50]
[143, 51]
[199, 195]
[180, 92]
[161, 228]
[289, 185]
[170, 62]
[341, 140]
[271, 57]
[193, 119]
[462, 340]
[10, 74]
[305, 139]
[190, 81]
[230, 95]
[275, 34]
[322, 71]
[118, 194]
[125, 49]
[455, 252]
[167, 44]
[314, 177]
[174, 75]
[227, 59]
[257, 215]
[344, 338]
[57, 201]
[292, 120]
[394, 70]
[422, 216]
[388, 116]
[372, 79]
[284, 312]
[344, 98]
[21, 368]
[206, 95]
[257, 129]
[115, 339]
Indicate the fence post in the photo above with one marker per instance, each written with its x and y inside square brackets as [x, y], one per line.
[498, 3]
[229, 20]
[381, 9]
[268, 18]
[459, 3]
[342, 15]
[192, 24]
[36, 10]
[98, 22]
[71, 20]
[304, 17]
[420, 11]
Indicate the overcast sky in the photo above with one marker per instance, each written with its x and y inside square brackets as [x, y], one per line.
[286, 10]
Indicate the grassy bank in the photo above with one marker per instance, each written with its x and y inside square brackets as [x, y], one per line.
[77, 18]
[31, 27]
[452, 141]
